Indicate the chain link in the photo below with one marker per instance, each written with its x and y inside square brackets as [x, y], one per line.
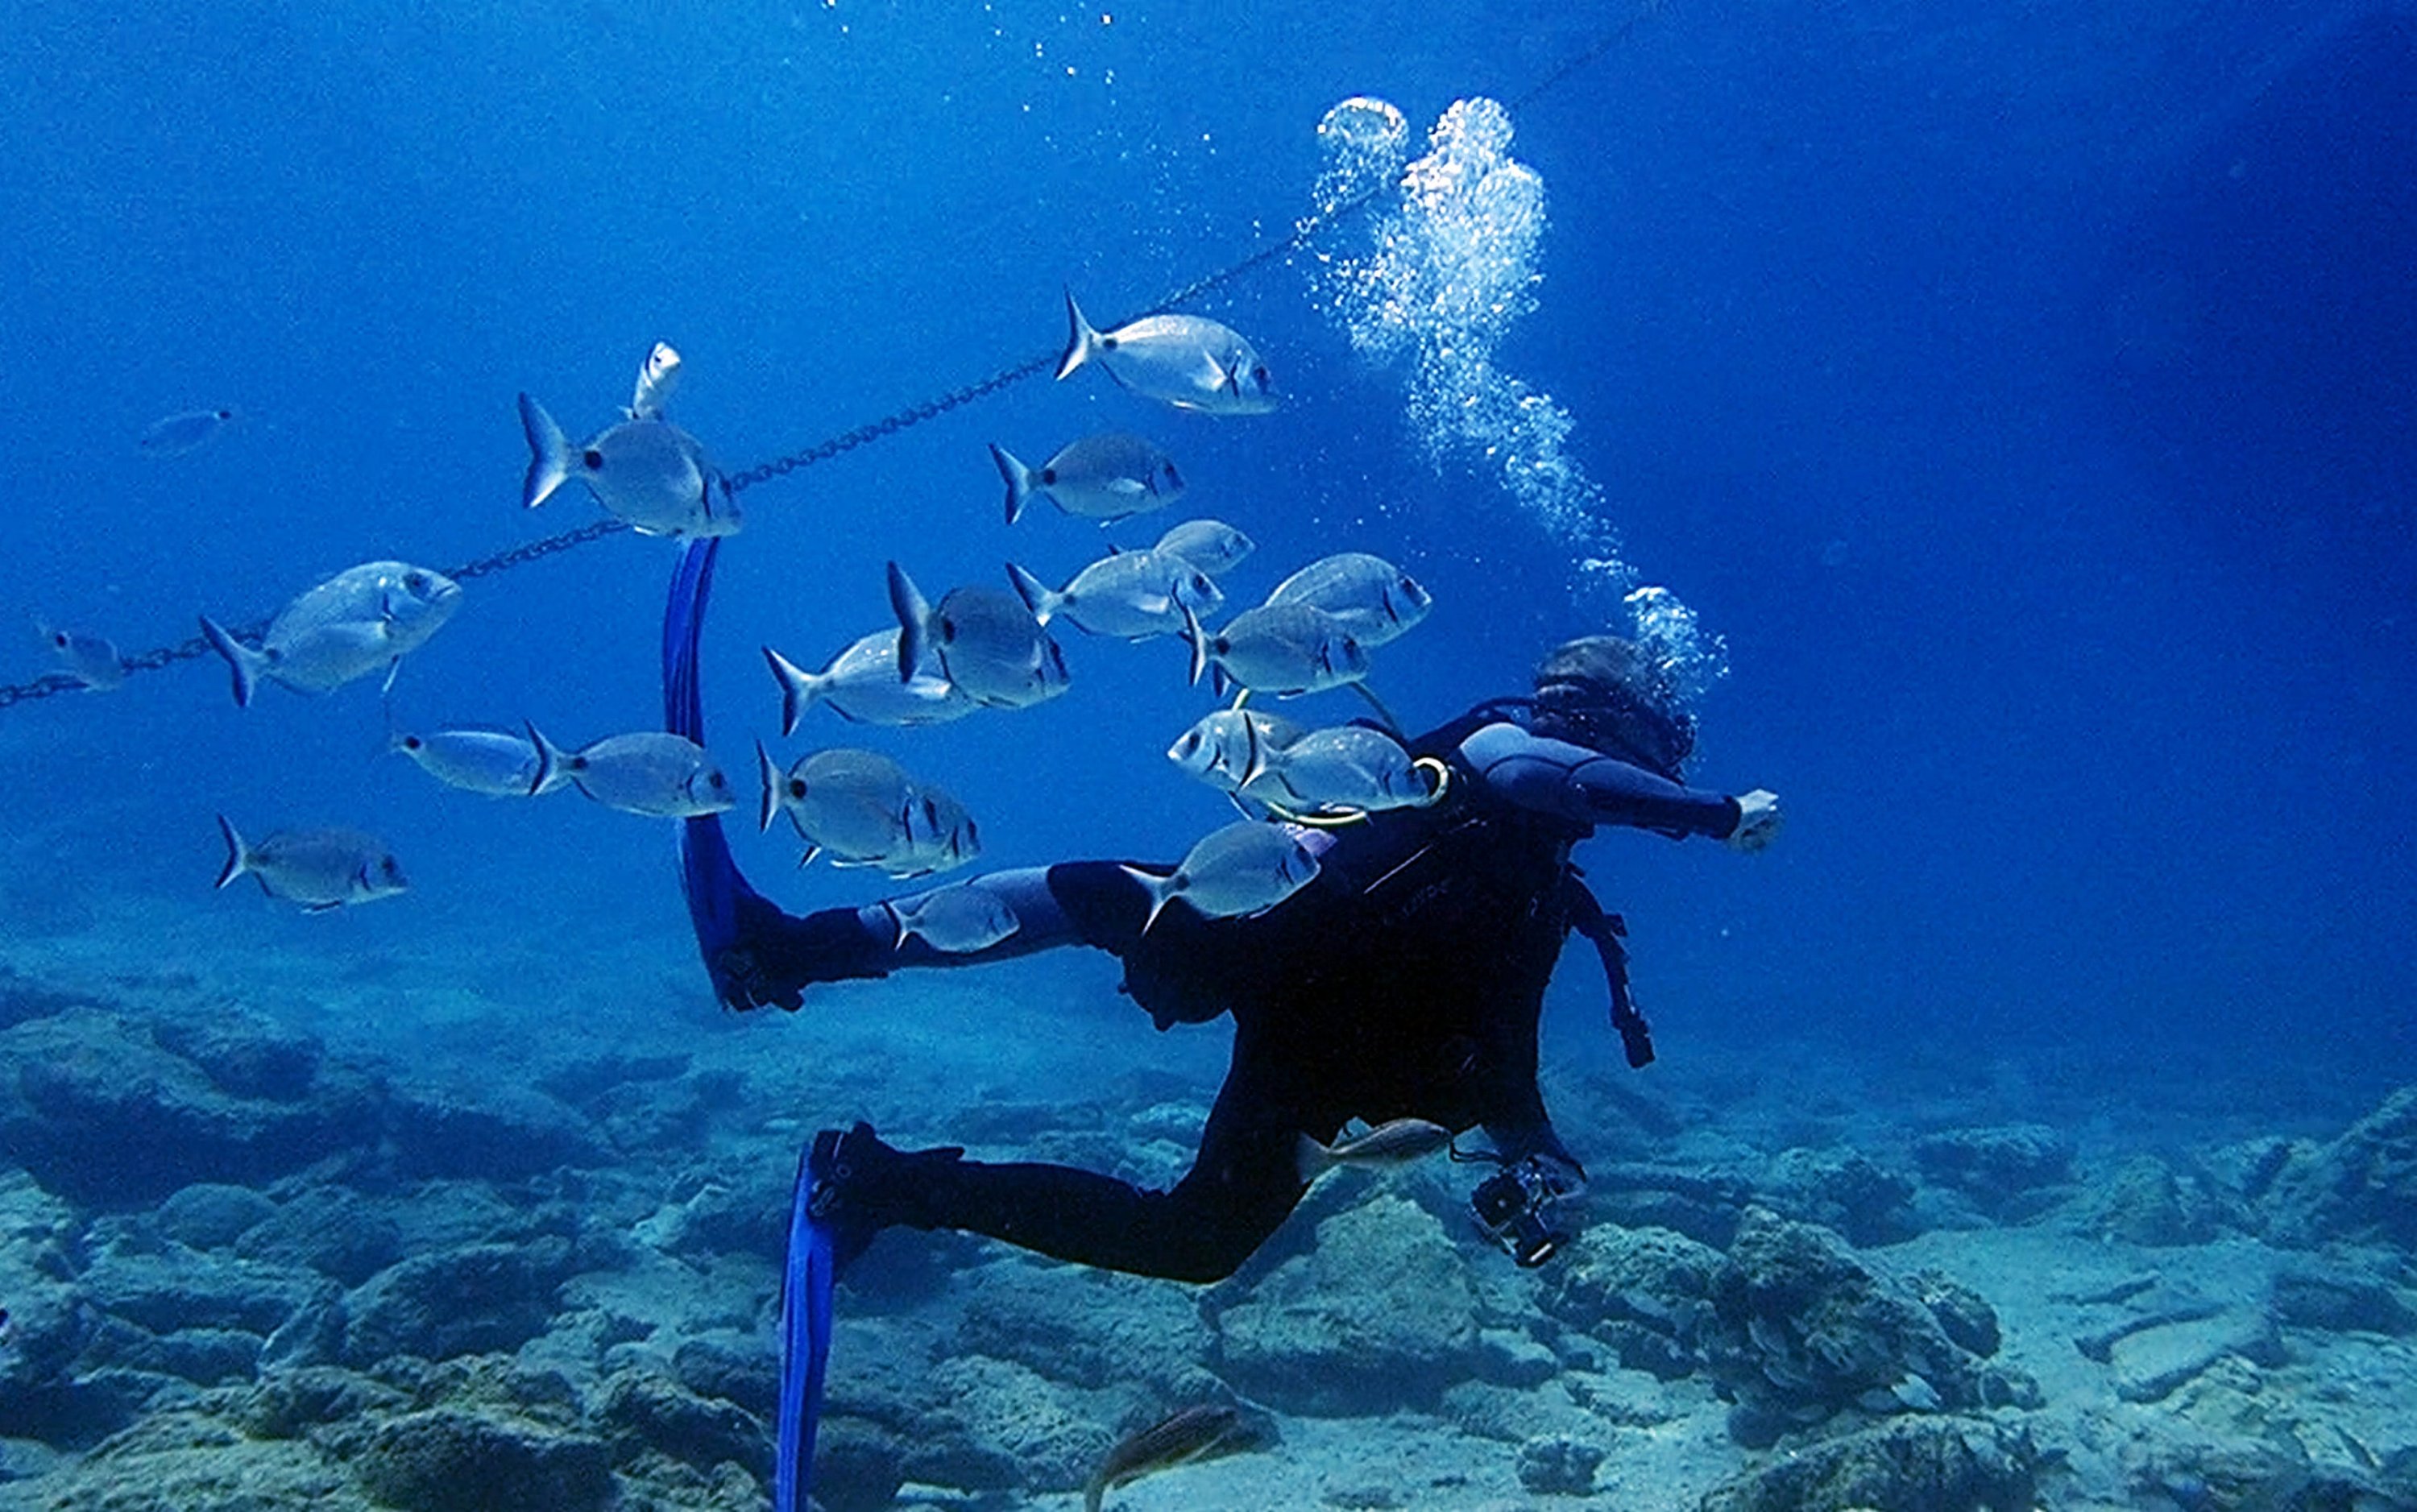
[53, 684]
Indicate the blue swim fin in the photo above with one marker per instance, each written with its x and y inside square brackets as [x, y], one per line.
[805, 1347]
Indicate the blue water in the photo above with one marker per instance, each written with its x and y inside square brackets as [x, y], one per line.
[2027, 406]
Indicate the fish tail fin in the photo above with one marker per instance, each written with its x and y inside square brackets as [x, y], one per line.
[548, 454]
[1197, 639]
[1161, 891]
[799, 689]
[1018, 478]
[1312, 1159]
[1038, 596]
[771, 776]
[554, 766]
[913, 613]
[1081, 339]
[238, 859]
[242, 660]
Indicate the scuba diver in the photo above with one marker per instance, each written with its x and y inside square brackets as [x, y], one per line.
[1405, 980]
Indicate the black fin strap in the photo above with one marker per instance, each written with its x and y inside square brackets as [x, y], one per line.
[1606, 930]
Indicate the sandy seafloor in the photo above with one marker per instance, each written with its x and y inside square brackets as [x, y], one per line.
[535, 1266]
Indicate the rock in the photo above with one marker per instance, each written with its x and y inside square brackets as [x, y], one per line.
[2144, 1202]
[2308, 1295]
[287, 1403]
[503, 1133]
[1845, 1189]
[641, 1408]
[2150, 1362]
[211, 1215]
[1558, 1466]
[732, 1367]
[1995, 1166]
[1803, 1328]
[1964, 1315]
[1015, 1431]
[1511, 1358]
[448, 1459]
[100, 1112]
[478, 1299]
[2360, 1188]
[245, 1056]
[178, 1288]
[1380, 1315]
[328, 1229]
[1645, 1293]
[1089, 1328]
[1937, 1464]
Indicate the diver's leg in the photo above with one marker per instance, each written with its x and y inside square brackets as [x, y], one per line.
[773, 955]
[1244, 1183]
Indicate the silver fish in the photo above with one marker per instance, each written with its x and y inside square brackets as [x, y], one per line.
[88, 659]
[648, 473]
[1375, 599]
[493, 762]
[862, 683]
[955, 920]
[363, 620]
[1246, 867]
[1230, 748]
[1134, 594]
[1345, 766]
[984, 640]
[1213, 546]
[1395, 1143]
[1098, 477]
[319, 869]
[658, 376]
[175, 435]
[862, 809]
[1189, 361]
[1284, 649]
[1194, 1435]
[650, 772]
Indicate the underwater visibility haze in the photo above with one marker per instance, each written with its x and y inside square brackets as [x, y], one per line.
[1998, 428]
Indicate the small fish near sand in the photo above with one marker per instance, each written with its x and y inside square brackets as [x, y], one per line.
[319, 869]
[1186, 1438]
[1397, 1142]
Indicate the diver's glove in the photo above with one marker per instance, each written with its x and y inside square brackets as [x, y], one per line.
[1758, 821]
[1515, 1207]
[776, 956]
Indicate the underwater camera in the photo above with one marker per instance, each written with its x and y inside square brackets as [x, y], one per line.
[1512, 1205]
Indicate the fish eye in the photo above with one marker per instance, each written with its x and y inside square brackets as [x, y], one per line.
[416, 582]
[224, 415]
[1190, 743]
[59, 639]
[1259, 375]
[591, 459]
[947, 628]
[390, 869]
[797, 787]
[1048, 475]
[412, 742]
[716, 782]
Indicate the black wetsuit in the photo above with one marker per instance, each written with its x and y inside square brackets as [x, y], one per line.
[1405, 980]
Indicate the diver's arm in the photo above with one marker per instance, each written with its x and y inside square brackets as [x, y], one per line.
[1589, 788]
